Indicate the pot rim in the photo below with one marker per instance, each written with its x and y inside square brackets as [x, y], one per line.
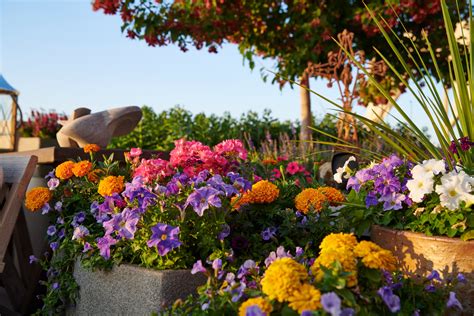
[418, 235]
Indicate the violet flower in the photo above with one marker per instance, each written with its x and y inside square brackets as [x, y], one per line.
[254, 310]
[268, 233]
[51, 230]
[124, 224]
[104, 244]
[453, 302]
[33, 259]
[201, 199]
[391, 300]
[331, 303]
[80, 232]
[164, 237]
[198, 267]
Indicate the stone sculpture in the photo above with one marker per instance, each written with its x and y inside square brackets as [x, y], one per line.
[98, 128]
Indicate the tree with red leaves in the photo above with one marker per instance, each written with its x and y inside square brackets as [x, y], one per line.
[290, 32]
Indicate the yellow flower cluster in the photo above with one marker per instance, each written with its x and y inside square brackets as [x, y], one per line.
[283, 277]
[110, 185]
[269, 161]
[262, 303]
[306, 297]
[314, 199]
[337, 247]
[64, 170]
[36, 198]
[263, 192]
[375, 257]
[82, 168]
[91, 148]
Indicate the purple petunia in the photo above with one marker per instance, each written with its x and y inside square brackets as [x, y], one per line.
[33, 259]
[453, 301]
[268, 233]
[54, 245]
[391, 300]
[51, 230]
[224, 232]
[137, 190]
[164, 237]
[124, 224]
[104, 244]
[45, 209]
[87, 247]
[198, 267]
[53, 183]
[254, 310]
[80, 232]
[331, 303]
[201, 199]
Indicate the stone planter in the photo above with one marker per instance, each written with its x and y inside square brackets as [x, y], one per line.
[33, 143]
[419, 254]
[131, 290]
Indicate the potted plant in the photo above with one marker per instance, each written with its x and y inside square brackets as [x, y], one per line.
[39, 130]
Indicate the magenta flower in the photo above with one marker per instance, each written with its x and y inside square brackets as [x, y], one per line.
[232, 148]
[135, 152]
[164, 237]
[294, 167]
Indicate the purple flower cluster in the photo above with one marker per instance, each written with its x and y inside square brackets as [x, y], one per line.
[382, 183]
[390, 299]
[464, 142]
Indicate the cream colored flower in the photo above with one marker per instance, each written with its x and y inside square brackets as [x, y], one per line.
[419, 187]
[455, 188]
[344, 171]
[429, 168]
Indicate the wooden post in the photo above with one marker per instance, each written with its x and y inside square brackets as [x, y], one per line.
[305, 133]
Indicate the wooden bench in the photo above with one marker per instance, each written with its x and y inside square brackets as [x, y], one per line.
[17, 276]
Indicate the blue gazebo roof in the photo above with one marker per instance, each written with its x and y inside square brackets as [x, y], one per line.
[5, 87]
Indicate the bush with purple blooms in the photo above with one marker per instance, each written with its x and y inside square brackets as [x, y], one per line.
[344, 279]
[427, 197]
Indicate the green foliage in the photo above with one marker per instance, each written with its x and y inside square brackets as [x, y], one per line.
[158, 131]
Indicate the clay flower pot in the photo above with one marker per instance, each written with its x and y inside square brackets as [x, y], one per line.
[419, 254]
[131, 290]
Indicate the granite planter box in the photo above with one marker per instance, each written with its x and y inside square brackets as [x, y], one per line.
[418, 255]
[131, 290]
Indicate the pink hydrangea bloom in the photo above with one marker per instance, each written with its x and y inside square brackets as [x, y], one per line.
[231, 148]
[153, 169]
[135, 152]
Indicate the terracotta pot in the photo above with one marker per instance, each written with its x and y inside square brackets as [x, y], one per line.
[419, 254]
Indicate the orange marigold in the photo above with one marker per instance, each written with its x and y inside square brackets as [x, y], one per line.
[91, 148]
[375, 257]
[309, 199]
[64, 170]
[333, 195]
[263, 192]
[110, 185]
[269, 161]
[93, 176]
[36, 198]
[82, 168]
[238, 201]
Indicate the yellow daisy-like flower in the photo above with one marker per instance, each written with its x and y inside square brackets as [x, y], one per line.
[305, 298]
[283, 277]
[36, 198]
[309, 199]
[110, 185]
[263, 192]
[375, 257]
[262, 303]
[335, 241]
[91, 148]
[64, 170]
[344, 256]
[82, 168]
[333, 195]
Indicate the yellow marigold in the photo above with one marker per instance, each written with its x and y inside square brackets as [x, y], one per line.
[110, 185]
[263, 192]
[36, 198]
[269, 161]
[82, 168]
[282, 278]
[64, 170]
[309, 199]
[344, 256]
[375, 257]
[306, 297]
[262, 303]
[333, 195]
[93, 176]
[334, 241]
[91, 148]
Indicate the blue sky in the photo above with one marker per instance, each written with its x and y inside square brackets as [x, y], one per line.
[61, 55]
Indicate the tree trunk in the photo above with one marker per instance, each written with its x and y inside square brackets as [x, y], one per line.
[305, 133]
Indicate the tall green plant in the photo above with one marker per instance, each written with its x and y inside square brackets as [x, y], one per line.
[440, 115]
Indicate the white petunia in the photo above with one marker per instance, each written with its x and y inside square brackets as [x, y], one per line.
[343, 170]
[419, 187]
[429, 168]
[455, 188]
